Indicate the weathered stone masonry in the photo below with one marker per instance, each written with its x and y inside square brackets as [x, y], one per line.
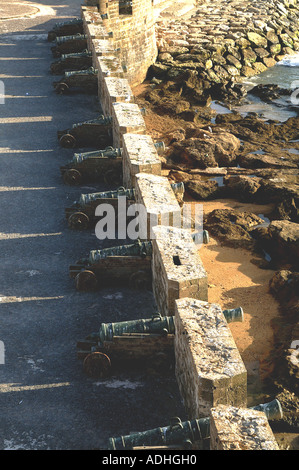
[209, 369]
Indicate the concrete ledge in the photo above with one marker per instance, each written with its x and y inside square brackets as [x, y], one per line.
[160, 204]
[139, 156]
[178, 271]
[99, 48]
[93, 25]
[209, 368]
[115, 90]
[240, 429]
[127, 118]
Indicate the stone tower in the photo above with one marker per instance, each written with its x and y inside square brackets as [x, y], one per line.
[132, 27]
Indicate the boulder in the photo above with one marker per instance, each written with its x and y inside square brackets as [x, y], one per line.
[232, 227]
[207, 150]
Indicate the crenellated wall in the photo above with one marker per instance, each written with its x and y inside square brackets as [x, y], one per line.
[132, 27]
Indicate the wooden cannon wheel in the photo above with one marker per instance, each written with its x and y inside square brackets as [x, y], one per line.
[78, 221]
[86, 281]
[67, 141]
[72, 177]
[62, 88]
[97, 365]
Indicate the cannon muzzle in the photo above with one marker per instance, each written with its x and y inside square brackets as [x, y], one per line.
[138, 248]
[62, 39]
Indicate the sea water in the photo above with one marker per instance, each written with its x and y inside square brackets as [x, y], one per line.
[285, 74]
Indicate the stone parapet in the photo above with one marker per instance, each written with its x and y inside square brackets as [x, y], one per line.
[160, 205]
[139, 156]
[127, 118]
[177, 269]
[209, 368]
[234, 428]
[115, 90]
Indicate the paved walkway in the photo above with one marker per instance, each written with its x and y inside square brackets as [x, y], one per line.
[46, 401]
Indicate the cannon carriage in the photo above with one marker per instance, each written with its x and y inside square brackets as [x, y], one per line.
[71, 62]
[82, 212]
[66, 28]
[94, 166]
[93, 133]
[78, 79]
[69, 44]
[127, 265]
[144, 341]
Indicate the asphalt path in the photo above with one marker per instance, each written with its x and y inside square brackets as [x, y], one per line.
[46, 400]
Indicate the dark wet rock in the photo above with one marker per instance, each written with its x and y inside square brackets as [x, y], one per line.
[207, 150]
[264, 161]
[281, 241]
[232, 227]
[268, 92]
[277, 190]
[286, 210]
[242, 188]
[284, 285]
[203, 190]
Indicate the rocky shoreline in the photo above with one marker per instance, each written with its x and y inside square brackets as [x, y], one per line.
[227, 39]
[231, 156]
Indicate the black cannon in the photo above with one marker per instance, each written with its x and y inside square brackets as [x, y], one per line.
[83, 79]
[92, 133]
[182, 435]
[128, 265]
[74, 61]
[66, 28]
[69, 44]
[95, 166]
[82, 212]
[147, 340]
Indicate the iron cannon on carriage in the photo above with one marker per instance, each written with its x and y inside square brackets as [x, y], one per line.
[69, 44]
[128, 265]
[66, 28]
[70, 62]
[92, 133]
[82, 212]
[78, 79]
[182, 435]
[97, 166]
[147, 341]
[94, 166]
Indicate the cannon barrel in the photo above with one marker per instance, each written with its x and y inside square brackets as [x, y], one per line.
[135, 249]
[101, 120]
[90, 71]
[84, 53]
[74, 21]
[182, 433]
[91, 197]
[62, 39]
[110, 152]
[155, 325]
